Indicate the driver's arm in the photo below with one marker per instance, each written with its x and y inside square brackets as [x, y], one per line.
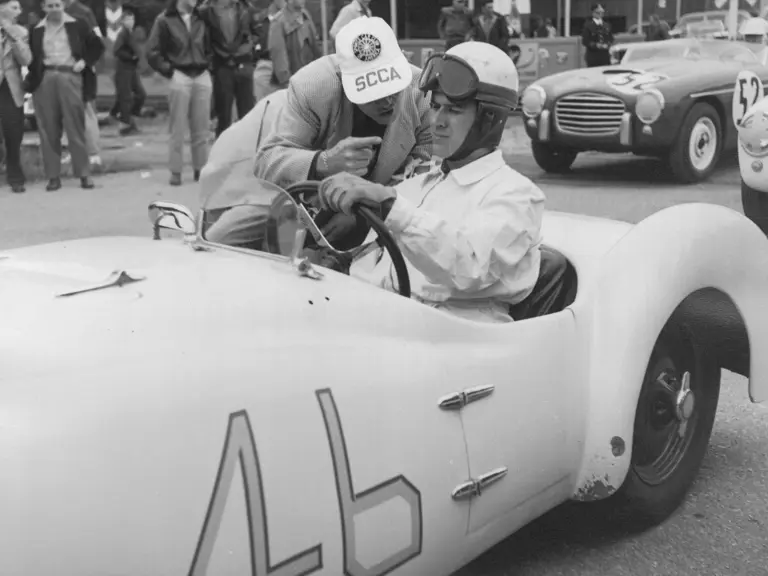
[484, 248]
[287, 153]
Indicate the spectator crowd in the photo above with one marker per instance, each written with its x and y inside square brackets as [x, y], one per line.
[220, 57]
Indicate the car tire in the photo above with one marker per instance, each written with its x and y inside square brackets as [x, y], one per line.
[694, 157]
[553, 159]
[648, 495]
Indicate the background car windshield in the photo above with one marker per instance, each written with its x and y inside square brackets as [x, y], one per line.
[647, 52]
[245, 212]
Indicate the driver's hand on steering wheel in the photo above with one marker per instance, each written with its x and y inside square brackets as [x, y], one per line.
[341, 192]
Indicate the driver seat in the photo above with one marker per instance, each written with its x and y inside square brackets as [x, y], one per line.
[554, 290]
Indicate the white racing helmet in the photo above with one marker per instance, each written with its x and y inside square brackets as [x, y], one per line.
[755, 30]
[481, 72]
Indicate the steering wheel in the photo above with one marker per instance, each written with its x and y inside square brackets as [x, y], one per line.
[304, 192]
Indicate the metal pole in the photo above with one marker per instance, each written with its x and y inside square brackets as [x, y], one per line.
[324, 24]
[393, 15]
[733, 18]
[678, 11]
[639, 16]
[567, 18]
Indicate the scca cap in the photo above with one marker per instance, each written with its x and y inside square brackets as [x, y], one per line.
[372, 64]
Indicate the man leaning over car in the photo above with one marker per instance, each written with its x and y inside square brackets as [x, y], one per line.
[358, 111]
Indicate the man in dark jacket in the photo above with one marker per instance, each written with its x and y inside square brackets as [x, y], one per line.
[128, 86]
[233, 31]
[597, 38]
[454, 23]
[658, 29]
[62, 47]
[78, 10]
[490, 26]
[179, 48]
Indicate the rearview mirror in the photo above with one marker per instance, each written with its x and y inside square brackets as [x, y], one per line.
[171, 217]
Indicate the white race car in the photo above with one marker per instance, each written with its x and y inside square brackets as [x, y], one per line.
[189, 407]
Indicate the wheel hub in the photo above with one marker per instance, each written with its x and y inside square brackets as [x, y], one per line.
[685, 402]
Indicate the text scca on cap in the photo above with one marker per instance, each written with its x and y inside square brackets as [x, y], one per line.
[371, 62]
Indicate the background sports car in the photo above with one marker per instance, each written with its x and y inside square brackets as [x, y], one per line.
[670, 99]
[193, 407]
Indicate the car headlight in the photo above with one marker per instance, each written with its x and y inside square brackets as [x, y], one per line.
[649, 106]
[533, 101]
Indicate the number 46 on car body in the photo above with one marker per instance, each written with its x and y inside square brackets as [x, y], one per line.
[748, 92]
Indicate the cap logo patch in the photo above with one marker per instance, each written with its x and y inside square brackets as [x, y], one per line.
[366, 48]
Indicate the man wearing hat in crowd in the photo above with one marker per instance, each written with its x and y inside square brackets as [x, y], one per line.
[337, 112]
[597, 38]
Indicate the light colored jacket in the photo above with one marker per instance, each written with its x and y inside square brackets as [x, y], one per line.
[317, 115]
[15, 56]
[348, 13]
[293, 44]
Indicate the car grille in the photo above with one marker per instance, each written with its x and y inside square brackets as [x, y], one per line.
[589, 114]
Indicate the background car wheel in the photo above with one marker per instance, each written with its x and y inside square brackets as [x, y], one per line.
[673, 423]
[552, 158]
[696, 151]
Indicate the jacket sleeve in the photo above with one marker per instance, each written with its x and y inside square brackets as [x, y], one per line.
[481, 250]
[441, 25]
[156, 56]
[287, 152]
[20, 46]
[279, 53]
[587, 39]
[94, 45]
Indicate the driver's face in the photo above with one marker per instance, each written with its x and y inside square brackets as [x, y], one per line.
[450, 123]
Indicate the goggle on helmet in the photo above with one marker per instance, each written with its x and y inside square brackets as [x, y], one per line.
[458, 81]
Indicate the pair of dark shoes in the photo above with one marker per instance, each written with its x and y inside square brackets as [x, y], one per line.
[55, 183]
[176, 178]
[18, 188]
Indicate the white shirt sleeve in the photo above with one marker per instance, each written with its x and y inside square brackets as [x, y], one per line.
[482, 250]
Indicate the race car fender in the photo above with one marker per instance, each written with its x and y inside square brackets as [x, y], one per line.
[664, 259]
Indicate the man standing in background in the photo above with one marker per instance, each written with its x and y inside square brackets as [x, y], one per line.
[454, 23]
[658, 29]
[232, 29]
[354, 9]
[263, 84]
[179, 49]
[293, 41]
[129, 90]
[80, 11]
[597, 38]
[62, 47]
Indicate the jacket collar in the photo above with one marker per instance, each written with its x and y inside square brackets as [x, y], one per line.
[475, 171]
[65, 19]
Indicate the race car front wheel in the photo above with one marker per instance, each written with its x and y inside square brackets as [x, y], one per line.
[553, 159]
[696, 151]
[673, 423]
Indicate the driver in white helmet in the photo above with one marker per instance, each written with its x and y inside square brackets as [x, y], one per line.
[755, 30]
[470, 229]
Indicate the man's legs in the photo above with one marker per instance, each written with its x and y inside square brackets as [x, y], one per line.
[179, 110]
[244, 91]
[139, 94]
[199, 126]
[73, 119]
[123, 85]
[12, 122]
[224, 85]
[92, 132]
[47, 100]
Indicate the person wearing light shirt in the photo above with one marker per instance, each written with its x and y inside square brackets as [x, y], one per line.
[355, 9]
[470, 230]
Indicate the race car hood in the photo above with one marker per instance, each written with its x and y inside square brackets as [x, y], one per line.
[668, 70]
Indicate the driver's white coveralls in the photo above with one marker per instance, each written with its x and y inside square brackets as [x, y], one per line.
[470, 238]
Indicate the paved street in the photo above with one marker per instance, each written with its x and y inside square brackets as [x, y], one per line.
[723, 528]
